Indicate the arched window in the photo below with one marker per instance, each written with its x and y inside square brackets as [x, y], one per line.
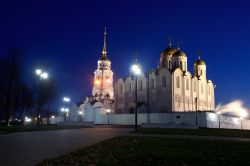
[181, 64]
[178, 81]
[141, 85]
[164, 81]
[152, 82]
[120, 88]
[130, 87]
[169, 65]
[187, 84]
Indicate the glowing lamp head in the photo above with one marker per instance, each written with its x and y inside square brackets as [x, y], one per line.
[108, 110]
[66, 99]
[80, 112]
[52, 116]
[44, 75]
[135, 69]
[38, 72]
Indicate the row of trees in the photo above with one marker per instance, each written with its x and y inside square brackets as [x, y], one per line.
[19, 96]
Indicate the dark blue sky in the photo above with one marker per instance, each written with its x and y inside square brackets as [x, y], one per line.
[68, 36]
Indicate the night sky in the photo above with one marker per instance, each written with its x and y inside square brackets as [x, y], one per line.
[68, 37]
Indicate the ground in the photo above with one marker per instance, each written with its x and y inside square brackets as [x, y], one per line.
[148, 147]
[141, 150]
[29, 148]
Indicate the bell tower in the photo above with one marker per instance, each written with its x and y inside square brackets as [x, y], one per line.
[103, 76]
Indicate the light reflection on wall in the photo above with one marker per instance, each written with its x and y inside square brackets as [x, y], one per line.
[235, 108]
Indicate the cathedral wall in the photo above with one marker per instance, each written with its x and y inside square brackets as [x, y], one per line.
[163, 91]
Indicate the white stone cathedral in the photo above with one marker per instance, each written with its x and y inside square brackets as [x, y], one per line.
[169, 88]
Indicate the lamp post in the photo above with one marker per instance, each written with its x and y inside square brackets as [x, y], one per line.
[196, 108]
[136, 70]
[66, 101]
[108, 112]
[42, 75]
[219, 115]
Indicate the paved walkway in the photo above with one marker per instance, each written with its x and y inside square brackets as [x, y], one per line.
[29, 148]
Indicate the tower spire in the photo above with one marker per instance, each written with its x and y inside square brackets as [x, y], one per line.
[104, 49]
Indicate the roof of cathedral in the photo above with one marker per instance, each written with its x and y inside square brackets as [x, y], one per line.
[179, 53]
[199, 62]
[169, 51]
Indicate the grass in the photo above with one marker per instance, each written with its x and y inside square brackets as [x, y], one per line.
[200, 131]
[20, 128]
[135, 150]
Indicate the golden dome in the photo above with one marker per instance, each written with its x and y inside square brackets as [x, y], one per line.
[200, 62]
[168, 51]
[179, 53]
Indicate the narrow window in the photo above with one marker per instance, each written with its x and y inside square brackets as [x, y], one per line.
[152, 82]
[140, 85]
[187, 84]
[120, 88]
[178, 81]
[164, 81]
[130, 87]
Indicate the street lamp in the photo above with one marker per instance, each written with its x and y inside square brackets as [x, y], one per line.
[219, 115]
[136, 70]
[43, 75]
[108, 112]
[66, 99]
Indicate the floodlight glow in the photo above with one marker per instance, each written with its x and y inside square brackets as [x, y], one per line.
[136, 69]
[44, 75]
[97, 82]
[243, 114]
[62, 109]
[108, 110]
[38, 71]
[52, 116]
[80, 112]
[27, 119]
[108, 81]
[66, 99]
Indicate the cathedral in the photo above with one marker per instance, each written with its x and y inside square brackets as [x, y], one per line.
[168, 88]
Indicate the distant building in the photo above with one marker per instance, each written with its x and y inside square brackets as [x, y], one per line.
[169, 88]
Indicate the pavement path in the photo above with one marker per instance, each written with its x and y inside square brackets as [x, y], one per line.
[30, 148]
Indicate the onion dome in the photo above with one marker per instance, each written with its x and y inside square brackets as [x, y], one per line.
[168, 51]
[179, 53]
[200, 62]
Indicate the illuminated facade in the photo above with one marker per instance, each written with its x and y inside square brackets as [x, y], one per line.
[103, 76]
[169, 88]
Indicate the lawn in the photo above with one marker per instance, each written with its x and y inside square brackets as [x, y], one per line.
[20, 128]
[135, 150]
[200, 131]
